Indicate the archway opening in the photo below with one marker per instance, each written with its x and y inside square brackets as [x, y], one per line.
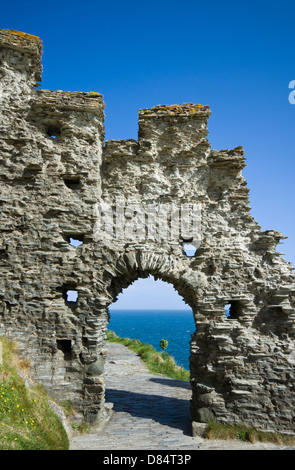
[151, 310]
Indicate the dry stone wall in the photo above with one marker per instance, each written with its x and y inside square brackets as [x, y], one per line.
[60, 182]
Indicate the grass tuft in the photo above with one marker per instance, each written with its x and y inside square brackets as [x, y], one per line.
[246, 434]
[26, 419]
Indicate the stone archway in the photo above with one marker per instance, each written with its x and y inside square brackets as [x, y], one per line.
[230, 360]
[135, 266]
[61, 181]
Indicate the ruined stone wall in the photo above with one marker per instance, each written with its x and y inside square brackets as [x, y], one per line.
[56, 175]
[51, 145]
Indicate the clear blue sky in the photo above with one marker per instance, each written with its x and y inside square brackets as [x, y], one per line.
[237, 57]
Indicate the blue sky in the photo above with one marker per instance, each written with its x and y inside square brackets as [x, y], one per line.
[237, 57]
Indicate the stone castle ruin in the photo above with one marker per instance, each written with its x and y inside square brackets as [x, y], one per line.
[58, 176]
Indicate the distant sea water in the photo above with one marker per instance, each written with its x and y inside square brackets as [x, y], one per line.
[150, 326]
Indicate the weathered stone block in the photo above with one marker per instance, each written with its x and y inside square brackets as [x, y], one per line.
[199, 429]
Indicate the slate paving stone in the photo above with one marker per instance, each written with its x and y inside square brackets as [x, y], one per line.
[149, 412]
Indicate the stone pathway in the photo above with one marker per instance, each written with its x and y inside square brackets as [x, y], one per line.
[149, 412]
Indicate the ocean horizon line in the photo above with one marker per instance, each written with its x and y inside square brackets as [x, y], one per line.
[151, 309]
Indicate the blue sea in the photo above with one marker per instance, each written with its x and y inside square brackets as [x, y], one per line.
[150, 326]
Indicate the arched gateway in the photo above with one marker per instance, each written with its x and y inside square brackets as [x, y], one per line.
[132, 205]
